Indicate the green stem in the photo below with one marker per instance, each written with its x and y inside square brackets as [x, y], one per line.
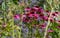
[13, 29]
[46, 29]
[19, 32]
[12, 23]
[48, 24]
[13, 32]
[13, 26]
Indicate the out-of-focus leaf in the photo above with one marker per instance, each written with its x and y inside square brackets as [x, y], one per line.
[3, 6]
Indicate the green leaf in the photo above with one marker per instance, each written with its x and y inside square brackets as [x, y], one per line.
[3, 6]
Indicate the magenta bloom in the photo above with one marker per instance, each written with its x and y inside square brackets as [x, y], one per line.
[23, 16]
[26, 20]
[32, 10]
[4, 25]
[56, 12]
[52, 20]
[27, 9]
[30, 15]
[36, 15]
[43, 26]
[45, 18]
[36, 8]
[41, 10]
[50, 30]
[17, 16]
[58, 21]
[58, 27]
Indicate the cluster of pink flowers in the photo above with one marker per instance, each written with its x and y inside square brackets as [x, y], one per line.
[37, 13]
[17, 16]
[34, 13]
